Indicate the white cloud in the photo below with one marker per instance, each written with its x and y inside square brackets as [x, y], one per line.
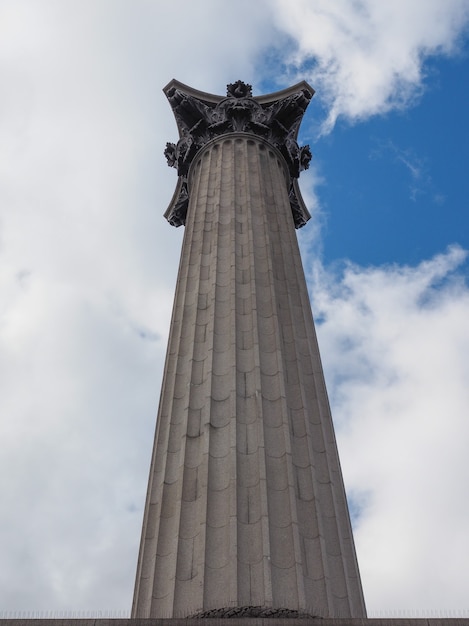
[368, 57]
[395, 343]
[87, 270]
[88, 265]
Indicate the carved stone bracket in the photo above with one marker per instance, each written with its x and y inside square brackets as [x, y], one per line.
[202, 117]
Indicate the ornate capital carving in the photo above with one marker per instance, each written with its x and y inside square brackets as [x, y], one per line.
[239, 89]
[202, 117]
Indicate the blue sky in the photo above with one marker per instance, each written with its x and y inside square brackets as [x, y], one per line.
[418, 156]
[88, 268]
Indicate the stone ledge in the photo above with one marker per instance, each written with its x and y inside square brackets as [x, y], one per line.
[247, 621]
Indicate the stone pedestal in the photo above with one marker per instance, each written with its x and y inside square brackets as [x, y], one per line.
[246, 505]
[238, 622]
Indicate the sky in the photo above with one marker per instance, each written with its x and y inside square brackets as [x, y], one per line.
[88, 268]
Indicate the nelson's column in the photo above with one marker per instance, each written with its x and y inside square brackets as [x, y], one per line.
[246, 512]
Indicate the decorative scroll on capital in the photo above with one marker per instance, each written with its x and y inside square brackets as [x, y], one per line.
[201, 117]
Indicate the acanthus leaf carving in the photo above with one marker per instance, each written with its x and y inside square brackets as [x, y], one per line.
[201, 120]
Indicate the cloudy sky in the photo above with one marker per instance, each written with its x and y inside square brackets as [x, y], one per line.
[88, 267]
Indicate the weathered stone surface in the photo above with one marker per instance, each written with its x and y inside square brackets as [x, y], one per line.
[246, 502]
[280, 620]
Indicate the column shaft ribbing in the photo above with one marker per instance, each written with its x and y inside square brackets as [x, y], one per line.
[246, 505]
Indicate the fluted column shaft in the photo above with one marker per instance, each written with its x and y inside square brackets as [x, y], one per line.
[246, 505]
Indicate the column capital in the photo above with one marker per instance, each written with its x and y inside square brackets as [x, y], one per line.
[201, 117]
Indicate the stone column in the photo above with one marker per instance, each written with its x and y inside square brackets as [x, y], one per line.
[245, 505]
